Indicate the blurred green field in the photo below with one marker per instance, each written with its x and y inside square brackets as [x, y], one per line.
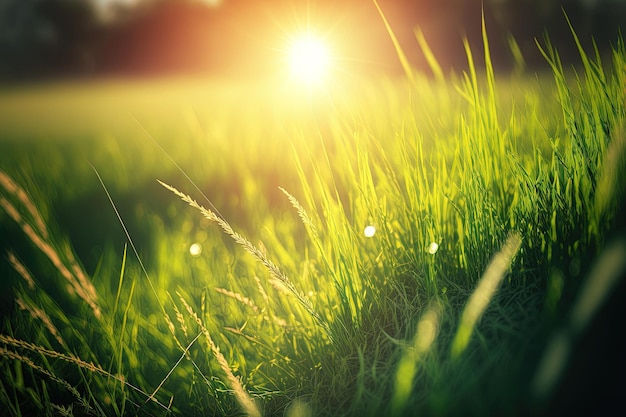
[296, 311]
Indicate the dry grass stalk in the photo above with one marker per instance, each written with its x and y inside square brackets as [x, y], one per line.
[22, 270]
[301, 212]
[11, 341]
[172, 328]
[261, 290]
[12, 188]
[244, 399]
[272, 317]
[81, 276]
[239, 297]
[28, 362]
[181, 320]
[79, 283]
[69, 358]
[273, 269]
[39, 314]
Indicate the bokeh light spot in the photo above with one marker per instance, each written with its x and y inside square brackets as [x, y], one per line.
[369, 231]
[195, 249]
[433, 248]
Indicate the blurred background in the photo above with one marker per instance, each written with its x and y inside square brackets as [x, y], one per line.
[44, 39]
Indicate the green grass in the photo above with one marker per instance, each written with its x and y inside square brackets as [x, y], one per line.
[290, 309]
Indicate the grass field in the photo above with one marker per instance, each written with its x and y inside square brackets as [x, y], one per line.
[421, 246]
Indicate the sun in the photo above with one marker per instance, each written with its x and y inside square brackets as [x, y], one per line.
[309, 59]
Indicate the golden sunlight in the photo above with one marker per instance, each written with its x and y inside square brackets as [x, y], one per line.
[309, 59]
[212, 3]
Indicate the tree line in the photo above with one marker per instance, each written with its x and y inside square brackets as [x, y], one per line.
[56, 38]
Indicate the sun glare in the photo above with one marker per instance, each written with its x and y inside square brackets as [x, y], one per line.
[309, 59]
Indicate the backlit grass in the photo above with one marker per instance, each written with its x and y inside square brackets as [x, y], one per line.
[486, 198]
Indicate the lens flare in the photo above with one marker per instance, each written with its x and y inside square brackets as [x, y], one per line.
[433, 248]
[369, 231]
[309, 59]
[195, 249]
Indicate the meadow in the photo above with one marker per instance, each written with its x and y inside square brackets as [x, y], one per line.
[427, 245]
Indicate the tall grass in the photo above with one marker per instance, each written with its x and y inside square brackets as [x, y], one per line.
[486, 210]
